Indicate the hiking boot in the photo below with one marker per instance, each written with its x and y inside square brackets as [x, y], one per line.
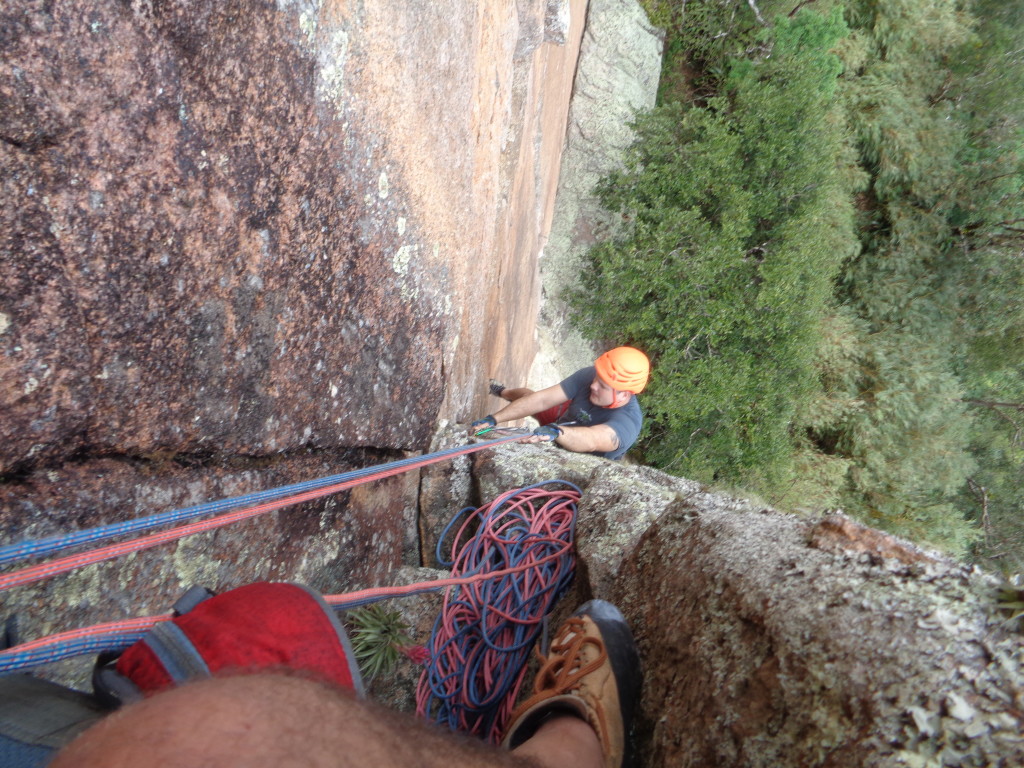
[495, 388]
[592, 671]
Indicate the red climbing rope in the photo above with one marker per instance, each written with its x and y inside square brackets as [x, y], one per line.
[64, 564]
[522, 543]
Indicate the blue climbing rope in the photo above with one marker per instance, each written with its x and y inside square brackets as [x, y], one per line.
[482, 638]
[49, 545]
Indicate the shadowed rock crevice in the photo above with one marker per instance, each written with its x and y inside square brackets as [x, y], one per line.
[156, 462]
[31, 144]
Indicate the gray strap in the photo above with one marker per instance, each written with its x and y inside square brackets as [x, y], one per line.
[339, 631]
[176, 652]
[40, 713]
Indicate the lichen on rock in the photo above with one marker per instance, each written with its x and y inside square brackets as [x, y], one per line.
[761, 648]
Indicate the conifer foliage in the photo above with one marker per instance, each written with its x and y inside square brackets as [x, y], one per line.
[737, 229]
[820, 249]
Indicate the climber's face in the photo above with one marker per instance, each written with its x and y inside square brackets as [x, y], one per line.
[603, 395]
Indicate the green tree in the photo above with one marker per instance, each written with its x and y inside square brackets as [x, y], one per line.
[989, 232]
[737, 219]
[992, 495]
[927, 285]
[827, 267]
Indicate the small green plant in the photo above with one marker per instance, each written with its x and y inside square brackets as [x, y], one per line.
[379, 637]
[1011, 602]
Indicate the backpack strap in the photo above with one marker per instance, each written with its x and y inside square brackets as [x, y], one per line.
[38, 717]
[168, 643]
[180, 658]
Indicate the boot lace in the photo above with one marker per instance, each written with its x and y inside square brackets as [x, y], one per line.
[566, 662]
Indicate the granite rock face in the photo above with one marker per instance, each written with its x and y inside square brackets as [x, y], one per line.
[187, 262]
[244, 244]
[343, 542]
[620, 61]
[248, 228]
[445, 490]
[773, 640]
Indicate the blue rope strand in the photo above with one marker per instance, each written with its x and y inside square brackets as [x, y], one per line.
[470, 697]
[13, 660]
[39, 547]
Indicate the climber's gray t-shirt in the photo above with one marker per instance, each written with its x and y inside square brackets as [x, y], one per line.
[626, 420]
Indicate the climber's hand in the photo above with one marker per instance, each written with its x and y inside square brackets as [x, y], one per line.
[485, 424]
[547, 433]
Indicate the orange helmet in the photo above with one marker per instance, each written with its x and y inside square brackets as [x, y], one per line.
[624, 368]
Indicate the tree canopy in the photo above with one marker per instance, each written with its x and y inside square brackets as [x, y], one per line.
[821, 250]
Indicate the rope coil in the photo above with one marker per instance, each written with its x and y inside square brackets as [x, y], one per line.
[482, 638]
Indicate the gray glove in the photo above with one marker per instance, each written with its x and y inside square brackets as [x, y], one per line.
[550, 431]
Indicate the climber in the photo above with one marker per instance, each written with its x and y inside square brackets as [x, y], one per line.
[592, 411]
[579, 715]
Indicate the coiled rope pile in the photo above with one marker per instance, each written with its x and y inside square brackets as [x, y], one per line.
[482, 639]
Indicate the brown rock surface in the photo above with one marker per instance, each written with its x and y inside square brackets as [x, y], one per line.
[838, 533]
[188, 265]
[233, 229]
[241, 234]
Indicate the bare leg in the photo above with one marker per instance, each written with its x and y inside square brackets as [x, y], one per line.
[265, 720]
[565, 741]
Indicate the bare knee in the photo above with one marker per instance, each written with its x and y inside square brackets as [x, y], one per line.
[514, 393]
